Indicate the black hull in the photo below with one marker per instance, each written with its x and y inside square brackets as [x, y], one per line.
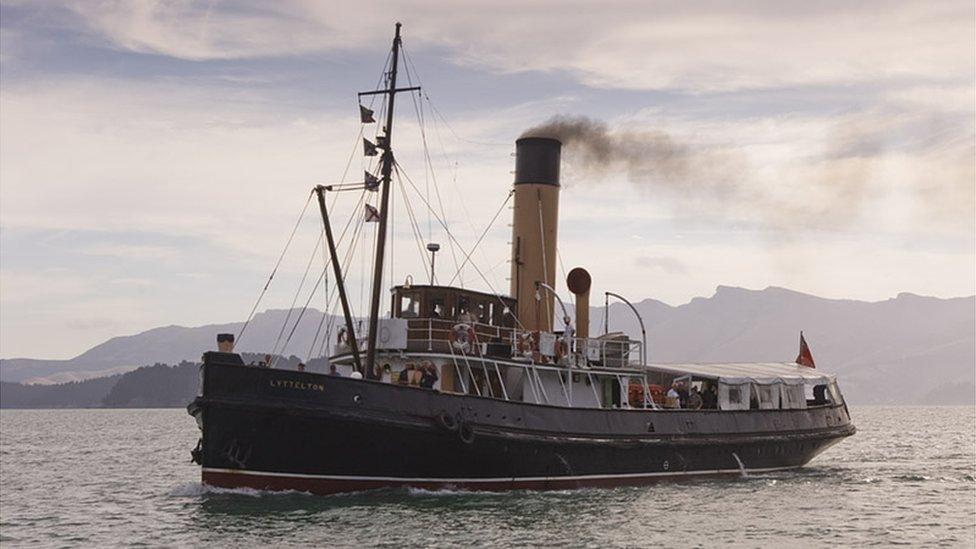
[284, 430]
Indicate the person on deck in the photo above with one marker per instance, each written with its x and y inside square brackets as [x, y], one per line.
[695, 401]
[428, 376]
[709, 397]
[301, 366]
[332, 370]
[683, 395]
[466, 318]
[404, 377]
[671, 399]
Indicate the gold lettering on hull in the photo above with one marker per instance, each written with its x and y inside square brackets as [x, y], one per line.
[300, 385]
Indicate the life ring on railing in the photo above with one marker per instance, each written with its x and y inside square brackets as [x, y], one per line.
[635, 395]
[462, 337]
[657, 393]
[524, 343]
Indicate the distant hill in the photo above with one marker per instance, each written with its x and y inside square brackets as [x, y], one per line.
[156, 386]
[165, 345]
[76, 394]
[908, 349]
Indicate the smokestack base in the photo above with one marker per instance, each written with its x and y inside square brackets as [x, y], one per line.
[537, 160]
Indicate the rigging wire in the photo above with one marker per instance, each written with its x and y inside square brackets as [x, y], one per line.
[418, 107]
[572, 300]
[267, 284]
[240, 335]
[415, 228]
[409, 61]
[429, 163]
[302, 313]
[298, 292]
[312, 293]
[545, 267]
[467, 214]
[467, 257]
[450, 235]
[325, 311]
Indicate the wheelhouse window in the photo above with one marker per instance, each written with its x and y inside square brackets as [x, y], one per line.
[452, 304]
[409, 305]
[482, 312]
[437, 308]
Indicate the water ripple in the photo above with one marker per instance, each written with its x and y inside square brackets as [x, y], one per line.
[108, 477]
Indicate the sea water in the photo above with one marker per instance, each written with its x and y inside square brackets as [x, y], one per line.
[124, 477]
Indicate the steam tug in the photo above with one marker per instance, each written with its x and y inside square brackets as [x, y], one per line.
[480, 391]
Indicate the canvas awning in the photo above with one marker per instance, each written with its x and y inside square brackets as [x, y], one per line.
[760, 373]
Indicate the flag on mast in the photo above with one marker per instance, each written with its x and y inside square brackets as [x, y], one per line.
[369, 149]
[366, 115]
[370, 181]
[805, 358]
[372, 214]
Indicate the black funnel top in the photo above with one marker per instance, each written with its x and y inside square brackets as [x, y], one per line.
[537, 160]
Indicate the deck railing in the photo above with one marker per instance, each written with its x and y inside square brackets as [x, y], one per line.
[441, 335]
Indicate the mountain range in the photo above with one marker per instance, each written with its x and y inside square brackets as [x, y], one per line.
[909, 349]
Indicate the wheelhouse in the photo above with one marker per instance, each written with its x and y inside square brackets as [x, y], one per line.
[450, 303]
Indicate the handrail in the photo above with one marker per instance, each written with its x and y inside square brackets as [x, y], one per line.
[426, 331]
[639, 319]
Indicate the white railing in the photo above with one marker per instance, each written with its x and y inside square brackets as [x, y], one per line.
[439, 335]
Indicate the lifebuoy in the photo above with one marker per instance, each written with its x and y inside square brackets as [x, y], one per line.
[447, 421]
[466, 433]
[657, 393]
[635, 394]
[526, 343]
[462, 337]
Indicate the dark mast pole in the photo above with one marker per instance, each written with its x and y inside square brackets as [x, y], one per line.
[340, 284]
[374, 307]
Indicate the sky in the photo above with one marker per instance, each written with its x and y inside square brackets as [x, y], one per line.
[155, 155]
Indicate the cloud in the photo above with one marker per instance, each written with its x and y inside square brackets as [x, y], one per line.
[666, 264]
[844, 170]
[635, 45]
[854, 121]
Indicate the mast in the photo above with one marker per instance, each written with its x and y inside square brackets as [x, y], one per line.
[340, 284]
[374, 307]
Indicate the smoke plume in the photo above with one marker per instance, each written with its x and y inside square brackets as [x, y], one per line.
[833, 185]
[704, 179]
[693, 176]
